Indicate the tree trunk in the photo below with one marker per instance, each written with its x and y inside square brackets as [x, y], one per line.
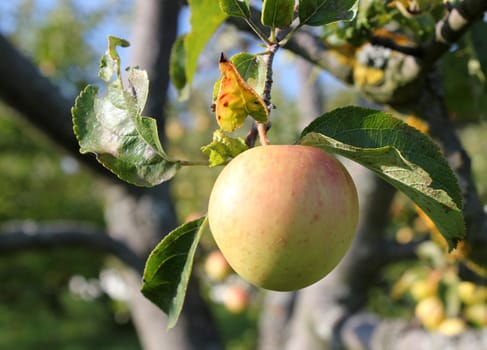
[142, 216]
[137, 216]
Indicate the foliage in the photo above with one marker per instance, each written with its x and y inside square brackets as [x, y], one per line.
[39, 310]
[399, 154]
[38, 169]
[35, 176]
[129, 145]
[464, 74]
[169, 266]
[39, 183]
[236, 99]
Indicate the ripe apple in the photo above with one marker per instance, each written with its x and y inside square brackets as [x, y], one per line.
[477, 314]
[193, 216]
[216, 266]
[452, 326]
[283, 215]
[423, 288]
[430, 311]
[470, 293]
[235, 299]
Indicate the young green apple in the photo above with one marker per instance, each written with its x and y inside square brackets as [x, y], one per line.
[283, 215]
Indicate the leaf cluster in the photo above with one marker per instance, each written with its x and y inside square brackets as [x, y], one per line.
[124, 141]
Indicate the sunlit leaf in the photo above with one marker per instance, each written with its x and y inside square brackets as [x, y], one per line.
[251, 68]
[177, 68]
[239, 8]
[479, 41]
[206, 17]
[236, 99]
[110, 61]
[223, 148]
[112, 126]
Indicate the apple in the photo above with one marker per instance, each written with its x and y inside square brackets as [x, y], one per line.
[283, 215]
[477, 314]
[469, 293]
[452, 326]
[193, 216]
[216, 266]
[430, 311]
[423, 288]
[235, 299]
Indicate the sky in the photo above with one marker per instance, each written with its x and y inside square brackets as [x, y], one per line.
[284, 66]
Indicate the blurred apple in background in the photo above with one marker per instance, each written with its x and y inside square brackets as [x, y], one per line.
[216, 266]
[431, 312]
[452, 326]
[236, 298]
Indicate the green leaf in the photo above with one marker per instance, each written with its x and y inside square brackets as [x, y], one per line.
[177, 69]
[479, 42]
[252, 68]
[223, 147]
[239, 8]
[110, 61]
[463, 76]
[206, 17]
[398, 153]
[320, 12]
[277, 13]
[168, 268]
[138, 87]
[112, 127]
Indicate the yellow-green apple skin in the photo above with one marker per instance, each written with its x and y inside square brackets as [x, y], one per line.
[283, 215]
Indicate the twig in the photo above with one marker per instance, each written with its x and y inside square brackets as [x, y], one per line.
[252, 135]
[452, 27]
[27, 236]
[269, 59]
[415, 51]
[261, 128]
[266, 94]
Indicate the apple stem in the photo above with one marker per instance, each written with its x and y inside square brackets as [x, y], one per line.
[262, 130]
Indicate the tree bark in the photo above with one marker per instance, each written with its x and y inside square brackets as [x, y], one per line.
[144, 215]
[22, 236]
[137, 216]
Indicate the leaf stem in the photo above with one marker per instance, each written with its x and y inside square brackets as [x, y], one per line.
[258, 32]
[289, 35]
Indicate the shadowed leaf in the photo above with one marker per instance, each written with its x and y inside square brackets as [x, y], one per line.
[320, 12]
[169, 266]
